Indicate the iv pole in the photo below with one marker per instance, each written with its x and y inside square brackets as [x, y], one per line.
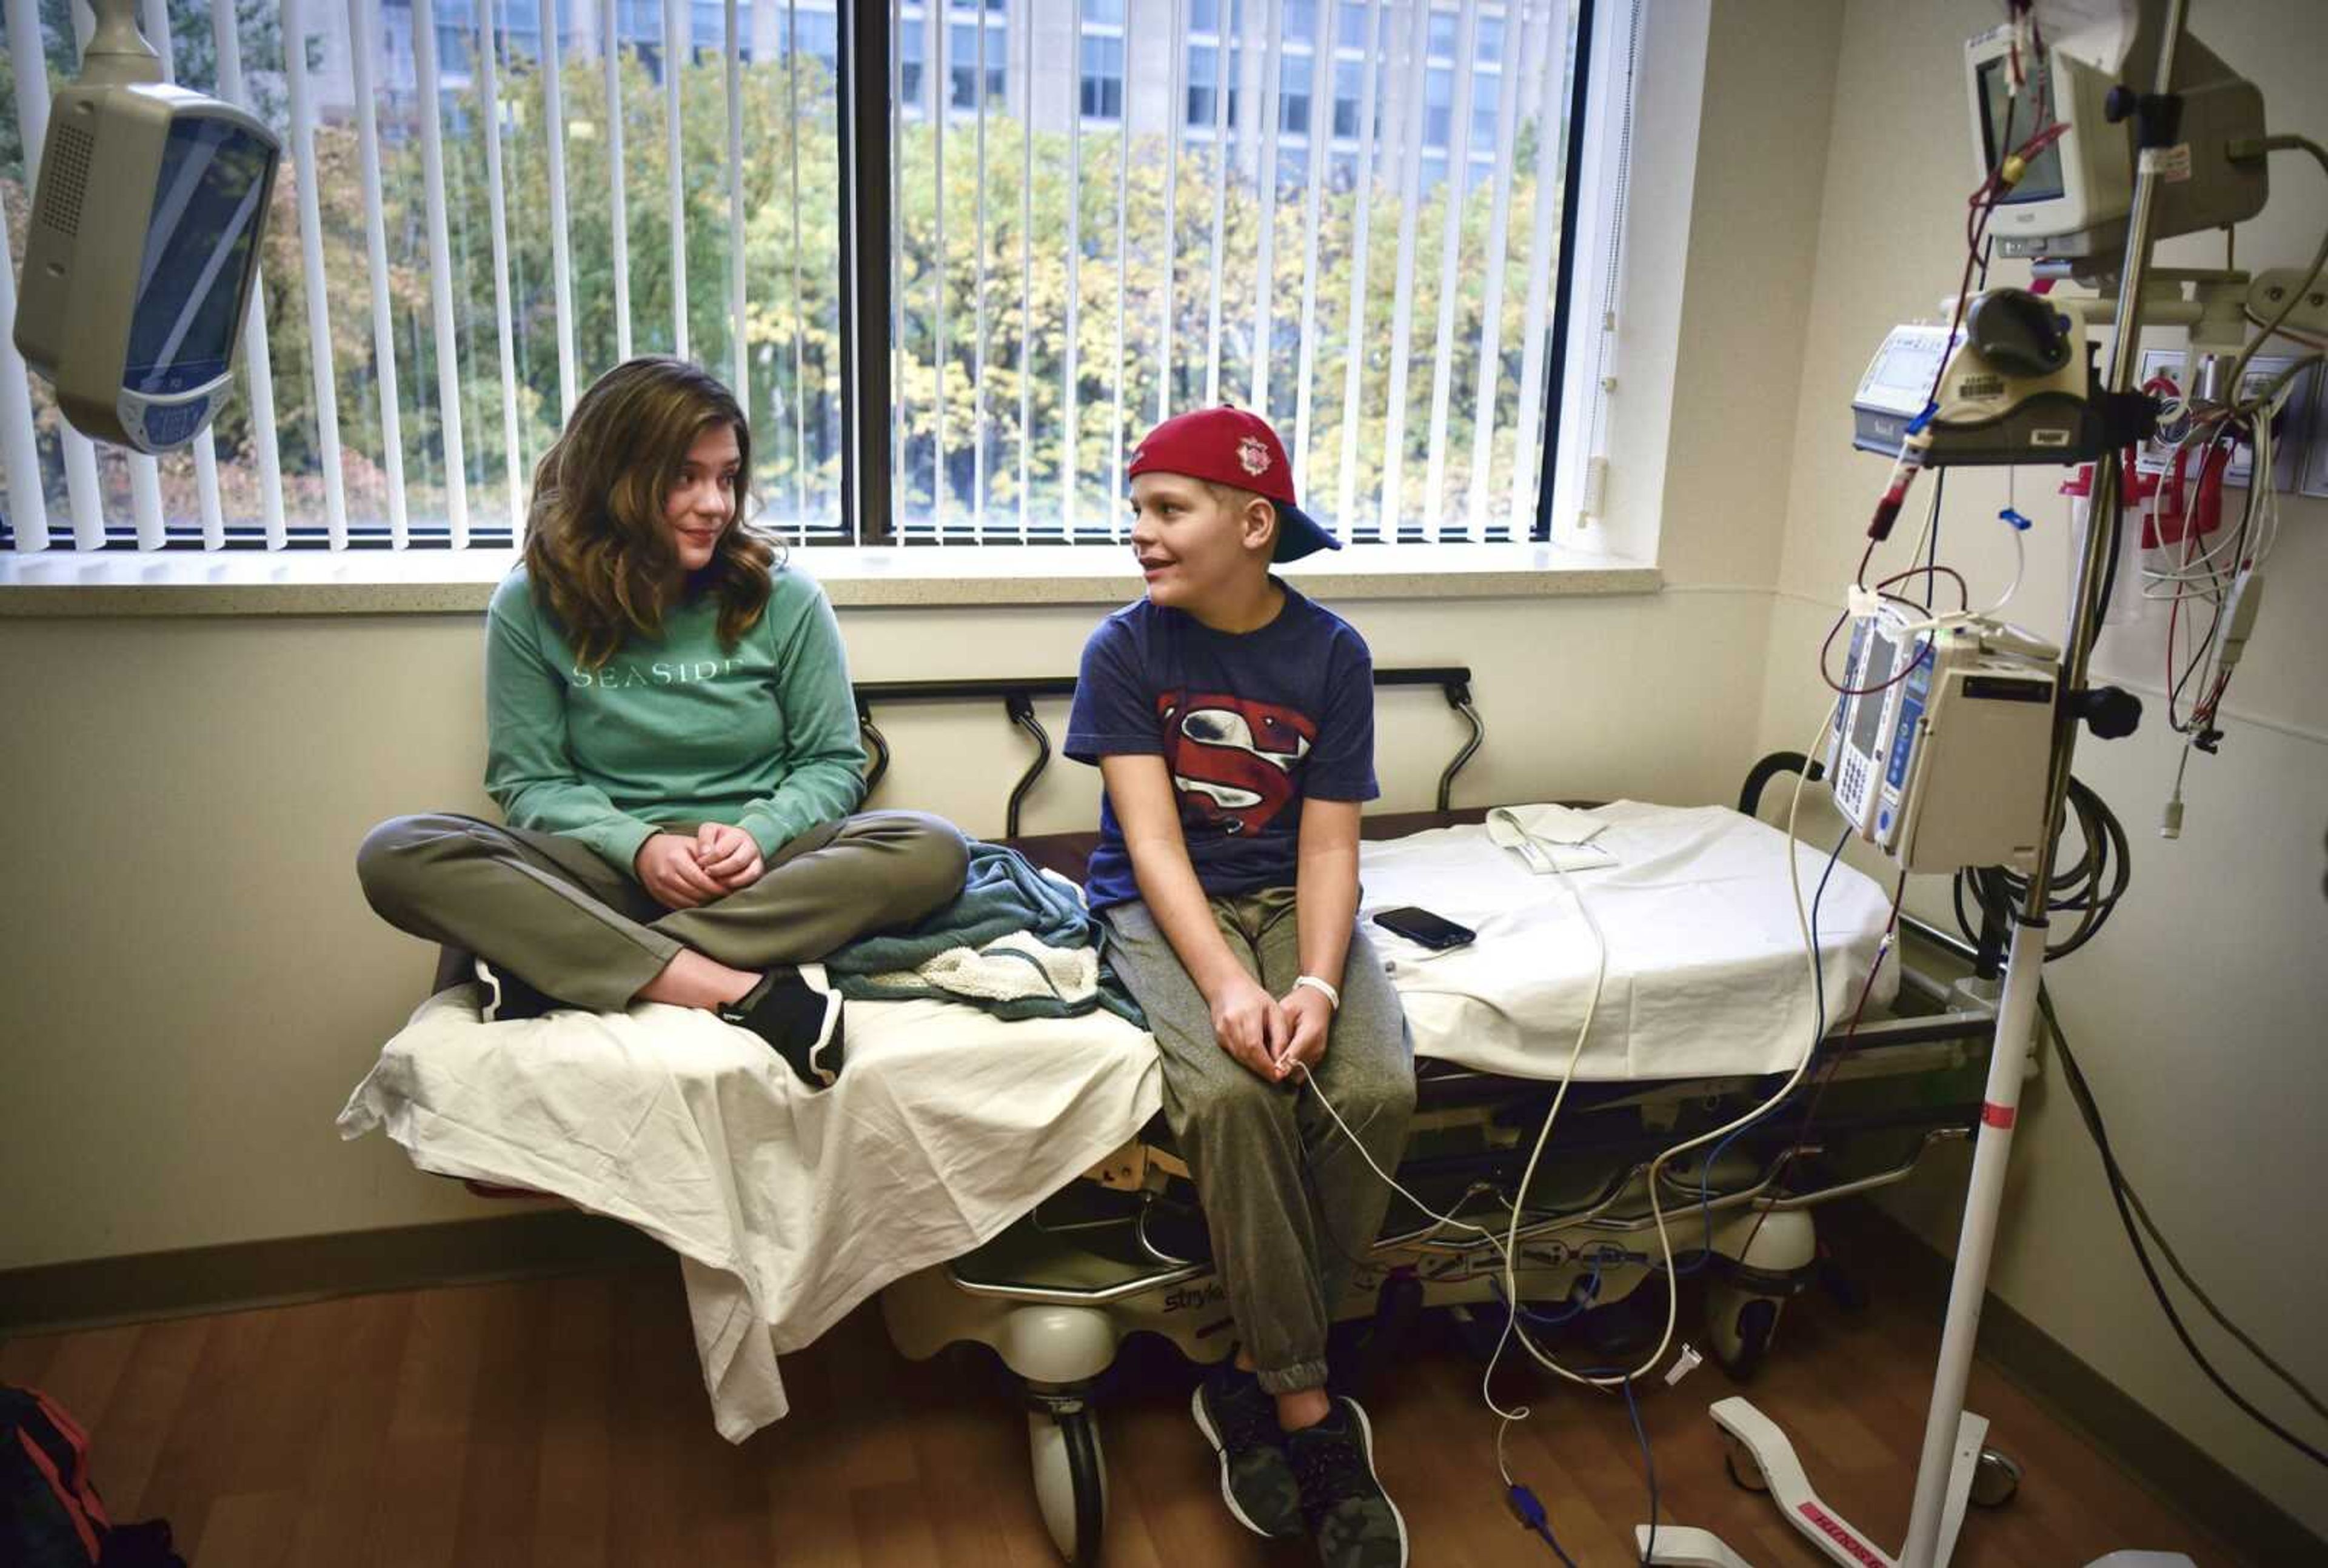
[1951, 1435]
[2025, 964]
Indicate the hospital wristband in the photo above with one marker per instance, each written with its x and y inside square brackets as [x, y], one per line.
[1322, 988]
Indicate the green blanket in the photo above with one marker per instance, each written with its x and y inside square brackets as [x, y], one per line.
[1017, 941]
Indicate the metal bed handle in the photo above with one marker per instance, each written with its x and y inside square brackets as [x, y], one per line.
[1018, 698]
[876, 743]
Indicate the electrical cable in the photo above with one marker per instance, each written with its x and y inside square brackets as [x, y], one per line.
[2089, 887]
[1656, 1172]
[1829, 1069]
[1819, 1033]
[1507, 1246]
[2262, 146]
[2121, 1195]
[1650, 1464]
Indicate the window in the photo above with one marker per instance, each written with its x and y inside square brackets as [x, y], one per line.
[1123, 329]
[1293, 97]
[1486, 92]
[1489, 48]
[366, 447]
[1349, 84]
[1203, 75]
[1103, 82]
[1438, 107]
[912, 45]
[962, 61]
[1025, 345]
[1442, 35]
[1205, 87]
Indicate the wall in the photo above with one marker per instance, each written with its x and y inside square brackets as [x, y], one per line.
[2198, 1013]
[194, 984]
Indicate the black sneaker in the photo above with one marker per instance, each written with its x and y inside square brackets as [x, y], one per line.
[508, 998]
[1355, 1523]
[798, 1013]
[1239, 1419]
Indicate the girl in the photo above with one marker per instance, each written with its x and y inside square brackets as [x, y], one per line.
[673, 739]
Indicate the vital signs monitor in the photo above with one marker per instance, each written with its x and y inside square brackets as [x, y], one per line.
[142, 245]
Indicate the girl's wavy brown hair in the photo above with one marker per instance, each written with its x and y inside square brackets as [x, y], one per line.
[597, 547]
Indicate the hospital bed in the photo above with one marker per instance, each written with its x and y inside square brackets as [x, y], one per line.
[1123, 1250]
[1013, 1185]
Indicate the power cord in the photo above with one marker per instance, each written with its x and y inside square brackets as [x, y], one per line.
[2129, 1205]
[1517, 1497]
[2089, 887]
[1649, 1465]
[1535, 1518]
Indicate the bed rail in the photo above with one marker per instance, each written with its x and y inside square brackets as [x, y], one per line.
[1018, 698]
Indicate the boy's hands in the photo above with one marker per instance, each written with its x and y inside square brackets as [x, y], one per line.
[1307, 1016]
[1250, 1026]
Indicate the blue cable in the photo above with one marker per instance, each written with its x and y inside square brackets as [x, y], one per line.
[1523, 1503]
[1649, 1463]
[1535, 1518]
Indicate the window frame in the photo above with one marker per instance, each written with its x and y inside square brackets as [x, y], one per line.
[864, 47]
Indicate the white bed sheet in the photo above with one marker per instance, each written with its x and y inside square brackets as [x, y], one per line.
[1706, 970]
[786, 1207]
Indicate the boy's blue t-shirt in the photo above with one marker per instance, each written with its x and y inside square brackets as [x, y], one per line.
[1250, 725]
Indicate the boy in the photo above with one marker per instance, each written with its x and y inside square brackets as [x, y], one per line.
[1232, 723]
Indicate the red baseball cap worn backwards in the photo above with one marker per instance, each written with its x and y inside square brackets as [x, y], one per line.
[1231, 447]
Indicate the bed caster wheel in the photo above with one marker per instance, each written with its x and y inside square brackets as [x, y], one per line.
[1070, 1476]
[1996, 1478]
[1740, 1330]
[1745, 1470]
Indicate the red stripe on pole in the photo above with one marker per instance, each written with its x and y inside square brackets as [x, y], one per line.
[2000, 1117]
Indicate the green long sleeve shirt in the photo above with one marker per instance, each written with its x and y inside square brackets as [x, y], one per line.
[679, 730]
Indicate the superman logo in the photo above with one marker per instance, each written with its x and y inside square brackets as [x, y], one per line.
[1232, 759]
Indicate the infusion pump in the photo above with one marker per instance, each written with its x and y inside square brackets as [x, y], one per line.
[1938, 752]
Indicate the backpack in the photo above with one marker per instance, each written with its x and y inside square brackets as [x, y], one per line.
[50, 1515]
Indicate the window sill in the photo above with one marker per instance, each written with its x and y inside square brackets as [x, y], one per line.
[64, 583]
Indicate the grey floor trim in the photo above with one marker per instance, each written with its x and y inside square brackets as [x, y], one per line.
[541, 1241]
[2178, 1471]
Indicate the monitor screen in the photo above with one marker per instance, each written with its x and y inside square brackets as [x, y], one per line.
[1868, 717]
[2007, 122]
[199, 247]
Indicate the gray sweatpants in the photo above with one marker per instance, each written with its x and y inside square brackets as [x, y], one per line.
[1291, 1203]
[559, 917]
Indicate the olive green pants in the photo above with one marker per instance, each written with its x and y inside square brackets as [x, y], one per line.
[1290, 1202]
[554, 913]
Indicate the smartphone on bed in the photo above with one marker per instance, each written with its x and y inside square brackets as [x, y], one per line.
[1435, 932]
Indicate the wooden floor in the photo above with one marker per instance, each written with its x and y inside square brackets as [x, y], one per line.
[563, 1422]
